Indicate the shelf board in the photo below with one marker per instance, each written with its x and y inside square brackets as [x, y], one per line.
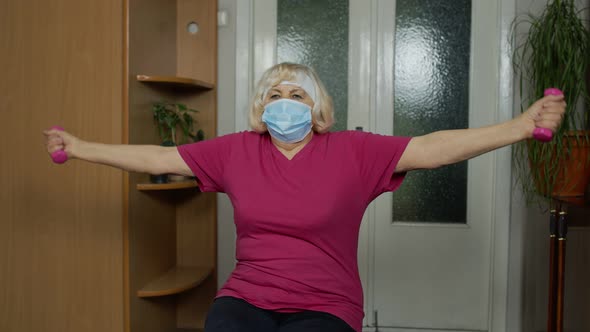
[175, 81]
[167, 186]
[176, 280]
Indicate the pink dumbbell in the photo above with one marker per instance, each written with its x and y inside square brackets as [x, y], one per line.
[59, 156]
[544, 134]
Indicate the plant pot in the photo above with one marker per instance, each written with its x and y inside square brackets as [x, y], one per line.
[177, 178]
[159, 179]
[572, 174]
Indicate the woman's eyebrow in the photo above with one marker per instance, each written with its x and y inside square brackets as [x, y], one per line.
[298, 90]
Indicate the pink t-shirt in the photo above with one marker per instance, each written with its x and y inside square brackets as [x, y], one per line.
[298, 220]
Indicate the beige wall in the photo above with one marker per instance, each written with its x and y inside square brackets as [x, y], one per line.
[226, 124]
[60, 226]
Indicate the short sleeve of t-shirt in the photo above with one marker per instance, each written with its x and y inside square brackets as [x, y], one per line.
[207, 160]
[378, 156]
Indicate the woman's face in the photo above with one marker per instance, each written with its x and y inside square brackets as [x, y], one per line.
[288, 91]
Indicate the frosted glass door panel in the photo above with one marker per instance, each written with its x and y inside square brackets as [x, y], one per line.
[315, 33]
[431, 92]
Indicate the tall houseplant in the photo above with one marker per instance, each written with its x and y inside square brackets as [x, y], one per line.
[555, 52]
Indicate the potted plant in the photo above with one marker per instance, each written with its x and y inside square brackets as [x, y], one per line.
[175, 126]
[554, 52]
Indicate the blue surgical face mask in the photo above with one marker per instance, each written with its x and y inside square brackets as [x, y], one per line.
[287, 120]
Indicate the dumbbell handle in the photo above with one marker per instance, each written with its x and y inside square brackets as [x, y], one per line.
[544, 134]
[59, 156]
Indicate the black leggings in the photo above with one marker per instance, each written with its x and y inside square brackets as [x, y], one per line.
[229, 314]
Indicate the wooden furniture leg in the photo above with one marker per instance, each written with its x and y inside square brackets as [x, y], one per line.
[552, 270]
[561, 241]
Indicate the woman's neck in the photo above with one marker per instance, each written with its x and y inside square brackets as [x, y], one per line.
[290, 149]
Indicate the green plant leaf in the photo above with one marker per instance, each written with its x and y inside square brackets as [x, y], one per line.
[553, 53]
[173, 121]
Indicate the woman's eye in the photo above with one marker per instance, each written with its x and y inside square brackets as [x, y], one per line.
[296, 96]
[274, 96]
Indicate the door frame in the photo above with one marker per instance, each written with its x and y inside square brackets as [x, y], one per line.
[265, 32]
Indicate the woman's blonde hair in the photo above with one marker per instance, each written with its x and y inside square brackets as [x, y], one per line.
[323, 109]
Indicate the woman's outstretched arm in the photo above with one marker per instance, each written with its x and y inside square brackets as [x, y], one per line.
[451, 146]
[152, 159]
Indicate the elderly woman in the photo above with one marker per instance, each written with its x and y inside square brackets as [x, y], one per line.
[299, 192]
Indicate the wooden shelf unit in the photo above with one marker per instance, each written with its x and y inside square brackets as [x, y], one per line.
[175, 81]
[175, 281]
[167, 186]
[175, 228]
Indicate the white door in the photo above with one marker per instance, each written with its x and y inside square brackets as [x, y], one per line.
[426, 255]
